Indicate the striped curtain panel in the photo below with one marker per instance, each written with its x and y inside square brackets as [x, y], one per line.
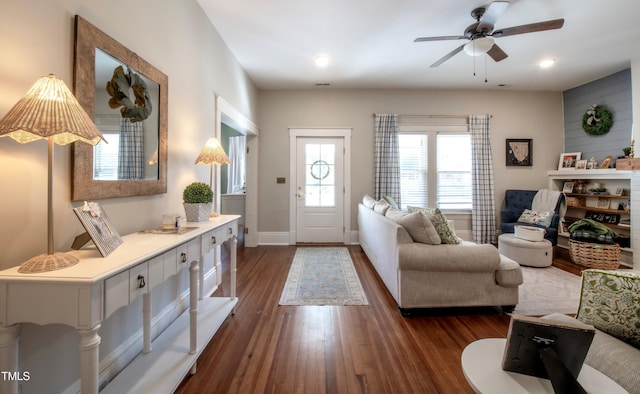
[387, 157]
[483, 215]
[130, 158]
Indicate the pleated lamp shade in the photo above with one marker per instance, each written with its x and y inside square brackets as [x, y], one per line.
[213, 153]
[49, 109]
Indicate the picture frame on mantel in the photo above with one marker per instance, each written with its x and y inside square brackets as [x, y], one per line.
[519, 152]
[568, 160]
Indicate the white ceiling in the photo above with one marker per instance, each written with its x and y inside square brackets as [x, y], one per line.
[370, 42]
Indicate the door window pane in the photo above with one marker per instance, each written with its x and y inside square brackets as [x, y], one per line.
[320, 175]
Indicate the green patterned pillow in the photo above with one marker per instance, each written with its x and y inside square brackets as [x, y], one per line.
[610, 301]
[439, 221]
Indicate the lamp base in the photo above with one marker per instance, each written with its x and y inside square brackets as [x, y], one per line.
[47, 262]
[214, 214]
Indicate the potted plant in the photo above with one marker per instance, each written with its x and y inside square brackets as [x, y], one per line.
[197, 200]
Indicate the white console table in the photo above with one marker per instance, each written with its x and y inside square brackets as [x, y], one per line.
[84, 295]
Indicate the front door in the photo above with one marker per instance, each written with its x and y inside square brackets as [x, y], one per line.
[319, 189]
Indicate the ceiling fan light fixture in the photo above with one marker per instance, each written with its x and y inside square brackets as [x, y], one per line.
[479, 46]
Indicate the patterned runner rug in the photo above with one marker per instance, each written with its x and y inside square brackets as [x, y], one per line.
[548, 290]
[322, 276]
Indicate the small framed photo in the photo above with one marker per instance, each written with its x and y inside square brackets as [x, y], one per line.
[619, 191]
[602, 203]
[568, 160]
[606, 162]
[519, 152]
[581, 165]
[99, 227]
[568, 187]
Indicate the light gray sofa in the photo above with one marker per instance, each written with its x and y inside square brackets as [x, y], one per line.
[420, 275]
[610, 301]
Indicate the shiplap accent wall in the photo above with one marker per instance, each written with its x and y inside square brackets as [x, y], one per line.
[612, 92]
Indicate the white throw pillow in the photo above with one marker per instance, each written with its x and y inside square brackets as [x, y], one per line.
[539, 218]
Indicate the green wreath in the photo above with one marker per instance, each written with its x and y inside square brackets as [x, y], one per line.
[119, 90]
[597, 120]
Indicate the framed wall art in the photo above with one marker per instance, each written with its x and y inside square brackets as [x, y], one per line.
[99, 228]
[519, 152]
[568, 161]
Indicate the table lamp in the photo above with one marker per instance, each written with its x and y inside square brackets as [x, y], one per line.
[49, 110]
[213, 153]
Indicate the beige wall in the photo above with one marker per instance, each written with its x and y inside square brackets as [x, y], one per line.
[536, 115]
[37, 39]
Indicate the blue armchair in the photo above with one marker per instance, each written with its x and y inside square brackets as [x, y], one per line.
[515, 202]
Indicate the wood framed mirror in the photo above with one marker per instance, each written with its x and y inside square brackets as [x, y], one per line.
[134, 162]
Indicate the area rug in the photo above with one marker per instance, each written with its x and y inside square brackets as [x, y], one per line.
[548, 290]
[322, 276]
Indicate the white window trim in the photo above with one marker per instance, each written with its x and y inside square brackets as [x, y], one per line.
[432, 132]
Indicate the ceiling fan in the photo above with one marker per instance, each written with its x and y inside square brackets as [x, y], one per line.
[481, 34]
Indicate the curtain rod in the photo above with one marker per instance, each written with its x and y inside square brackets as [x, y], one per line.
[433, 116]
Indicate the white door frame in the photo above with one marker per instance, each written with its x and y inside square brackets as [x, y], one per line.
[345, 134]
[226, 113]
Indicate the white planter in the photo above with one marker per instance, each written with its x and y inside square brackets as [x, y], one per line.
[197, 212]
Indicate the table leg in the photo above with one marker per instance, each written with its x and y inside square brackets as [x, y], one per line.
[233, 269]
[89, 347]
[9, 353]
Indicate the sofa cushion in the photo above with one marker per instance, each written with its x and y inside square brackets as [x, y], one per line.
[381, 206]
[464, 257]
[610, 301]
[416, 224]
[368, 201]
[534, 217]
[439, 221]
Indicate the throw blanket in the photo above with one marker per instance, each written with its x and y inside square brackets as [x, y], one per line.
[546, 200]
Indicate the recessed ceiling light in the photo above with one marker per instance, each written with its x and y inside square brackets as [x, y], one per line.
[546, 63]
[322, 60]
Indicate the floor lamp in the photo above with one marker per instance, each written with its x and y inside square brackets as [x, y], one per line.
[213, 153]
[49, 111]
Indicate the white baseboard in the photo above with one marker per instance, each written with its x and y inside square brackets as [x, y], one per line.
[282, 238]
[273, 238]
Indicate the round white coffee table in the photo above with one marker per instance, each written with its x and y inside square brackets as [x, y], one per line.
[482, 367]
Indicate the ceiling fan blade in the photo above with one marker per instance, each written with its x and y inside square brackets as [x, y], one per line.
[491, 15]
[497, 53]
[447, 56]
[530, 28]
[441, 38]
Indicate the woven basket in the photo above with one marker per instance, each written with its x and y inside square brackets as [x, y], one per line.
[592, 255]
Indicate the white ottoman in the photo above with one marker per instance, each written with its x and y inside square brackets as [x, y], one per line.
[532, 254]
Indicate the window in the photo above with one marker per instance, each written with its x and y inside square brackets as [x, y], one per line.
[435, 170]
[105, 157]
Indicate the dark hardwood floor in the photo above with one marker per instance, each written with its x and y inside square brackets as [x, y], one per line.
[267, 348]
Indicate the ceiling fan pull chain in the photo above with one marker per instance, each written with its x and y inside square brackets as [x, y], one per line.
[485, 68]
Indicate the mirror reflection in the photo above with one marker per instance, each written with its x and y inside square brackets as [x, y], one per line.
[127, 116]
